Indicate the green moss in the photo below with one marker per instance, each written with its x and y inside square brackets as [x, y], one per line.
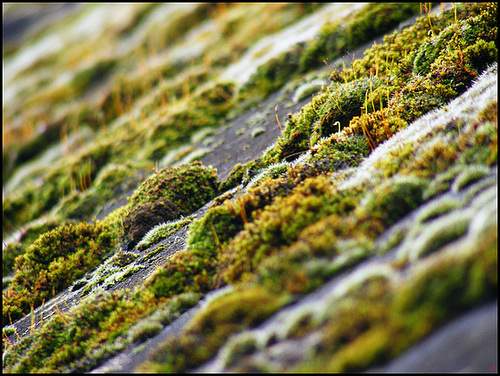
[338, 152]
[194, 270]
[334, 39]
[279, 224]
[94, 75]
[53, 262]
[271, 172]
[100, 327]
[468, 176]
[349, 330]
[170, 192]
[356, 334]
[441, 183]
[161, 231]
[293, 229]
[234, 178]
[322, 249]
[202, 110]
[274, 74]
[394, 199]
[232, 312]
[26, 238]
[142, 217]
[451, 285]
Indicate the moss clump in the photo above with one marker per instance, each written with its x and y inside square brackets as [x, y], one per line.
[202, 110]
[199, 268]
[357, 328]
[171, 192]
[53, 262]
[279, 224]
[162, 231]
[335, 39]
[322, 249]
[342, 104]
[234, 178]
[72, 177]
[142, 217]
[383, 86]
[100, 327]
[452, 284]
[294, 229]
[339, 152]
[195, 269]
[443, 68]
[206, 332]
[27, 237]
[394, 199]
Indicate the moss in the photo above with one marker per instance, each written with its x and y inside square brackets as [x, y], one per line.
[344, 102]
[171, 192]
[394, 199]
[97, 329]
[281, 221]
[355, 335]
[124, 258]
[194, 270]
[219, 200]
[44, 138]
[441, 183]
[258, 131]
[339, 152]
[322, 249]
[142, 217]
[340, 105]
[327, 113]
[206, 332]
[451, 285]
[202, 110]
[439, 233]
[272, 172]
[161, 231]
[27, 237]
[468, 176]
[334, 39]
[53, 262]
[377, 127]
[141, 332]
[74, 174]
[274, 74]
[353, 321]
[295, 228]
[86, 78]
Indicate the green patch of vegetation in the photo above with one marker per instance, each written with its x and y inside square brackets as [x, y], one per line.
[337, 38]
[95, 331]
[26, 238]
[52, 263]
[223, 316]
[162, 231]
[169, 193]
[294, 225]
[333, 41]
[88, 77]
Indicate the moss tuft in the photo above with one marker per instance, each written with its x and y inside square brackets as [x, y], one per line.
[53, 262]
[170, 192]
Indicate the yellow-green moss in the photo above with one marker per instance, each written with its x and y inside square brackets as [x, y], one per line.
[169, 193]
[232, 312]
[52, 263]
